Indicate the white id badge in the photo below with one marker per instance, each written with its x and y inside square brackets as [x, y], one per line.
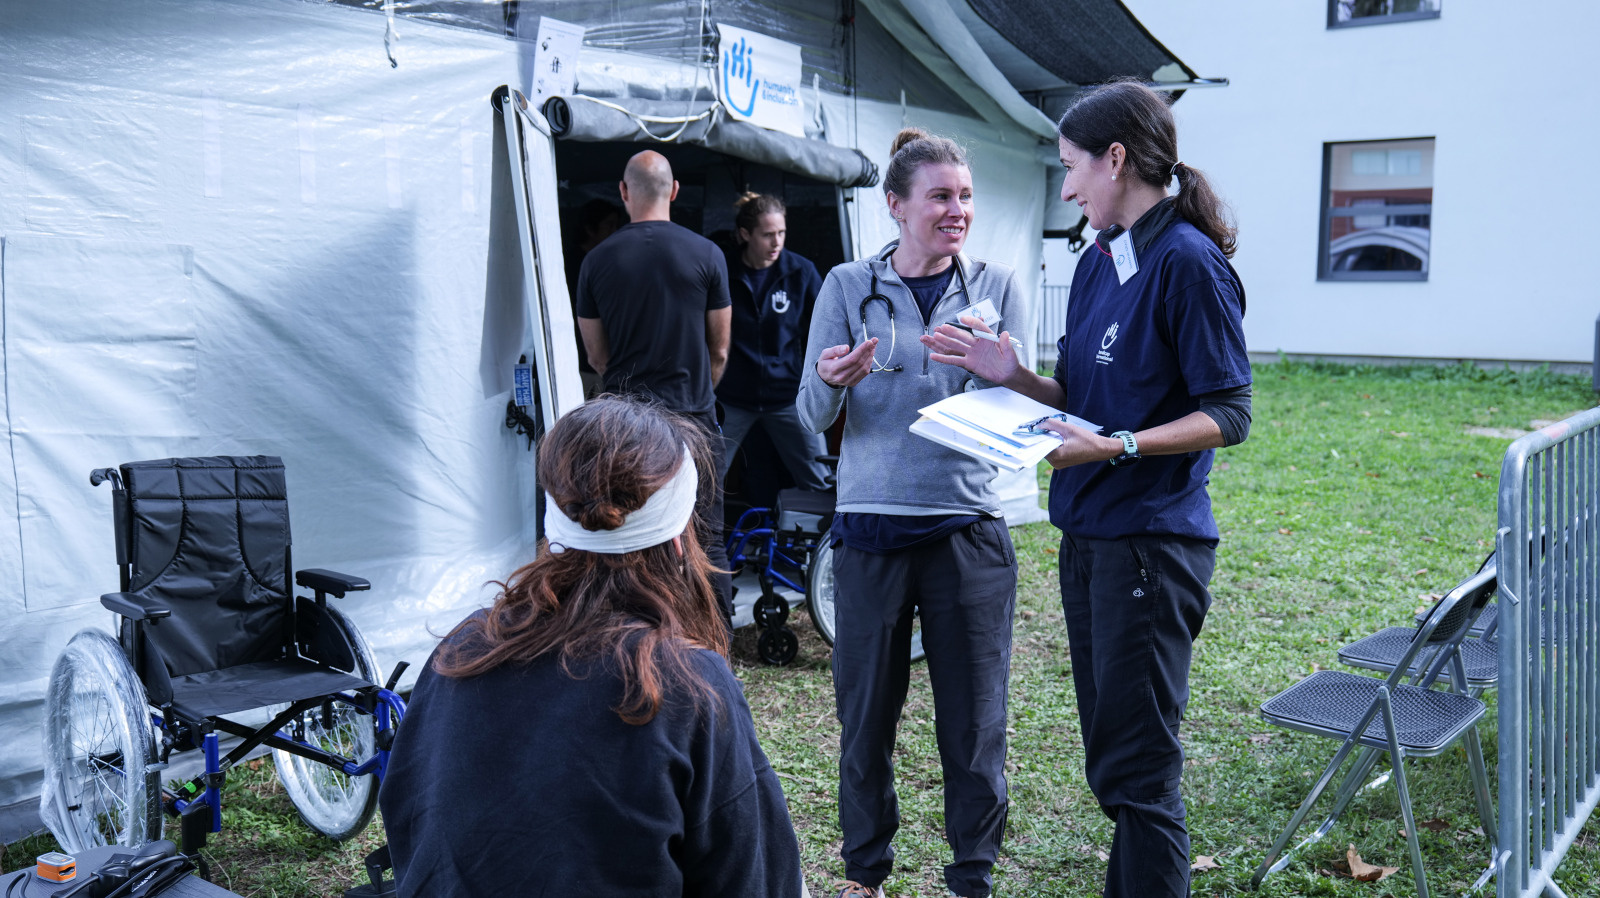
[984, 311]
[1122, 254]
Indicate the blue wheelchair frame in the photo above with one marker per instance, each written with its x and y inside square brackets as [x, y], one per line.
[770, 552]
[205, 790]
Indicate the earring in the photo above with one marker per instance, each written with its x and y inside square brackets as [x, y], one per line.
[1113, 177]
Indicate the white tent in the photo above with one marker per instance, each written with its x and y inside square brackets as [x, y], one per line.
[237, 228]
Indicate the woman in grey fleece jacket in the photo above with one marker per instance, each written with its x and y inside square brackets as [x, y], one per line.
[919, 529]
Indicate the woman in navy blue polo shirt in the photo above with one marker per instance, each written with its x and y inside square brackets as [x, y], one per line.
[1153, 350]
[773, 290]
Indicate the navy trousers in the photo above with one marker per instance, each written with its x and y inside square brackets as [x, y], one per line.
[1134, 607]
[708, 516]
[965, 587]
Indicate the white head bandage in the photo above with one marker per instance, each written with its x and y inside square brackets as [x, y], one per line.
[664, 515]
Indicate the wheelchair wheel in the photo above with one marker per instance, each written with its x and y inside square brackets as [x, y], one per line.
[778, 645]
[819, 595]
[99, 785]
[331, 801]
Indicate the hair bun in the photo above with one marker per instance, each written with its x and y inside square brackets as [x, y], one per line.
[594, 514]
[906, 136]
[745, 198]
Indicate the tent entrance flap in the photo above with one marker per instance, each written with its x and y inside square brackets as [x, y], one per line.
[702, 123]
[526, 312]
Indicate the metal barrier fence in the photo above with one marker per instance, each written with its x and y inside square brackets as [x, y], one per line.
[1047, 324]
[1549, 650]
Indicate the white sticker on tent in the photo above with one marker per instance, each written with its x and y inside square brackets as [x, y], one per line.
[555, 59]
[760, 80]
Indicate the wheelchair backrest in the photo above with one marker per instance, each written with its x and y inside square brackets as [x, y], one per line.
[209, 537]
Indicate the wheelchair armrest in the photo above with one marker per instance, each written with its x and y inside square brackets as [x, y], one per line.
[331, 582]
[135, 607]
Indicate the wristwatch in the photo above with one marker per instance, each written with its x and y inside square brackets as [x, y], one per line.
[1130, 450]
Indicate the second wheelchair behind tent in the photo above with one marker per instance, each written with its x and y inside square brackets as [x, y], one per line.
[788, 550]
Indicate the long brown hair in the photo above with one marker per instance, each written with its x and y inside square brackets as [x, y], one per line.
[644, 612]
[1135, 116]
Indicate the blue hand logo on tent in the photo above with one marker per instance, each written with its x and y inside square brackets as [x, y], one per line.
[738, 65]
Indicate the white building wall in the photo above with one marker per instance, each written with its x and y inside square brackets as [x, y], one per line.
[1506, 93]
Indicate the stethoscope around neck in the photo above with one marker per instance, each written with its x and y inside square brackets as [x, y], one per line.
[888, 304]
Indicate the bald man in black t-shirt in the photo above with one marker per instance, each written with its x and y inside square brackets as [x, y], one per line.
[654, 313]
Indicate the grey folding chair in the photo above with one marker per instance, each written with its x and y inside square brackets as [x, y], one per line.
[1479, 654]
[1406, 720]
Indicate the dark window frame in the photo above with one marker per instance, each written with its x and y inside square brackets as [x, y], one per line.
[1325, 270]
[1389, 19]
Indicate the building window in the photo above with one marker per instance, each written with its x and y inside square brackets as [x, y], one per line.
[1377, 210]
[1345, 13]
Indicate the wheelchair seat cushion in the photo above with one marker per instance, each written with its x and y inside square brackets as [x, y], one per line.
[808, 510]
[246, 687]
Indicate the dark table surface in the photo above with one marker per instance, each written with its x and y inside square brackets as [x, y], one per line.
[88, 862]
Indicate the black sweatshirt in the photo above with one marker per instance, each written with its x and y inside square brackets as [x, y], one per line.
[525, 782]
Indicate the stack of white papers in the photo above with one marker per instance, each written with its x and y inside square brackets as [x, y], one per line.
[992, 425]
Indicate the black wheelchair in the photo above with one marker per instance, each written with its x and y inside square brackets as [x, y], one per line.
[208, 628]
[789, 549]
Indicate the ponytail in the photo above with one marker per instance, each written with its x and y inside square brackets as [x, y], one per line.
[1200, 206]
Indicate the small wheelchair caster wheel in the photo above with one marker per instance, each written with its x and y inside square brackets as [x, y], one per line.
[770, 611]
[778, 646]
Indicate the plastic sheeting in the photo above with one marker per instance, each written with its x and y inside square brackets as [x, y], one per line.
[233, 228]
[585, 118]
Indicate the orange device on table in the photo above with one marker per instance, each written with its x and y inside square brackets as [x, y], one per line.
[54, 866]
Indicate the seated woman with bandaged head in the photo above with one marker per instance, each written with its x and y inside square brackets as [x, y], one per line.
[586, 733]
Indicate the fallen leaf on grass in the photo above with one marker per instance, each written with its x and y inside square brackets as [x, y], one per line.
[1430, 539]
[254, 764]
[1359, 870]
[1029, 614]
[1203, 863]
[1285, 531]
[1477, 473]
[1419, 572]
[1371, 473]
[1050, 550]
[1102, 856]
[1260, 739]
[1434, 826]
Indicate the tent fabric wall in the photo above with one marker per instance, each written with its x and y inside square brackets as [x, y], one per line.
[233, 228]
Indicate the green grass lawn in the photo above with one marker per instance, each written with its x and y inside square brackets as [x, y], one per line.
[1360, 493]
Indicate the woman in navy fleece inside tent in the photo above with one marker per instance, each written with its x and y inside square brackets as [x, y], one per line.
[1153, 351]
[585, 734]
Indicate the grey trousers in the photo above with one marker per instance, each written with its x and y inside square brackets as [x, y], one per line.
[965, 588]
[797, 446]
